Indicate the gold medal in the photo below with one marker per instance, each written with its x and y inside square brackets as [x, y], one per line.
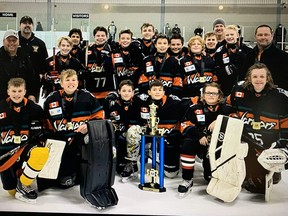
[17, 139]
[202, 79]
[69, 126]
[256, 125]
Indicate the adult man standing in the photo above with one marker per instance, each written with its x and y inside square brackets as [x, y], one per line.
[33, 47]
[13, 63]
[266, 52]
[218, 28]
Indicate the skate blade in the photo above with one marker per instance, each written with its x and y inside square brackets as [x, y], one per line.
[20, 197]
[183, 195]
[128, 179]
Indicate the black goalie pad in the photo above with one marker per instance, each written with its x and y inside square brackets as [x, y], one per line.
[98, 165]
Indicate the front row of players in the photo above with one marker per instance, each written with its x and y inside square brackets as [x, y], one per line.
[251, 101]
[22, 128]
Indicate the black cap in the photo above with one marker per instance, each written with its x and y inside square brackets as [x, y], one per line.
[25, 19]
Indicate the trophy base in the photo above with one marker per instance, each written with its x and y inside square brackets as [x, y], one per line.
[154, 187]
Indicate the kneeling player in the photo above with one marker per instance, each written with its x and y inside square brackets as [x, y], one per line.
[21, 129]
[197, 129]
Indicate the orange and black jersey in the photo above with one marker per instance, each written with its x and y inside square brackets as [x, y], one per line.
[98, 76]
[147, 47]
[196, 70]
[123, 113]
[199, 116]
[66, 113]
[165, 68]
[265, 114]
[59, 64]
[170, 110]
[23, 120]
[127, 62]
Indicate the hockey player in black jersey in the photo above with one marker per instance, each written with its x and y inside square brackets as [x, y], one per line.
[197, 127]
[57, 63]
[127, 58]
[229, 59]
[123, 109]
[197, 69]
[161, 66]
[147, 43]
[67, 111]
[21, 129]
[263, 109]
[170, 109]
[98, 77]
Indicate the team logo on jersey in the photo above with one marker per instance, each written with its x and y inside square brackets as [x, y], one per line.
[35, 48]
[53, 104]
[89, 52]
[239, 94]
[198, 111]
[224, 55]
[3, 115]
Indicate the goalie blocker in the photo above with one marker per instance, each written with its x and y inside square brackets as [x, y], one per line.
[98, 165]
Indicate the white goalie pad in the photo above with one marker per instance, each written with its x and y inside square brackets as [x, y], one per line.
[51, 168]
[268, 185]
[226, 154]
[133, 138]
[273, 160]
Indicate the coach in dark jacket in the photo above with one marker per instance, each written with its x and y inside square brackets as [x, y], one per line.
[266, 52]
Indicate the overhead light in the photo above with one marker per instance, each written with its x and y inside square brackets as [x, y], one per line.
[220, 7]
[106, 6]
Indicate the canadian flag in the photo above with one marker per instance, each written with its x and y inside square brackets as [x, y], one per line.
[239, 94]
[54, 104]
[198, 111]
[3, 115]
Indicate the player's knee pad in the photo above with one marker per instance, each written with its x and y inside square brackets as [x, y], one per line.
[35, 163]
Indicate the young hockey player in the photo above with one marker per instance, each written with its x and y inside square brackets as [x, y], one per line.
[147, 44]
[263, 109]
[210, 44]
[170, 109]
[57, 63]
[197, 69]
[127, 58]
[67, 111]
[197, 128]
[123, 110]
[21, 130]
[229, 59]
[161, 66]
[98, 76]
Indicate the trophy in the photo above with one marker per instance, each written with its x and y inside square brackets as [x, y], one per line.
[153, 173]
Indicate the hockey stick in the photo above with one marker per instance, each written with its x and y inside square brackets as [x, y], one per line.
[16, 149]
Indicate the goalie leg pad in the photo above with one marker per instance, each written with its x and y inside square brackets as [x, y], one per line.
[226, 154]
[133, 138]
[36, 161]
[98, 165]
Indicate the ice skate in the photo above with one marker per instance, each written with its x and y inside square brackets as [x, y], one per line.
[130, 172]
[25, 193]
[185, 188]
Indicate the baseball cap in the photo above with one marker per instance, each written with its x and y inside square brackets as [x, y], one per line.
[9, 33]
[26, 19]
